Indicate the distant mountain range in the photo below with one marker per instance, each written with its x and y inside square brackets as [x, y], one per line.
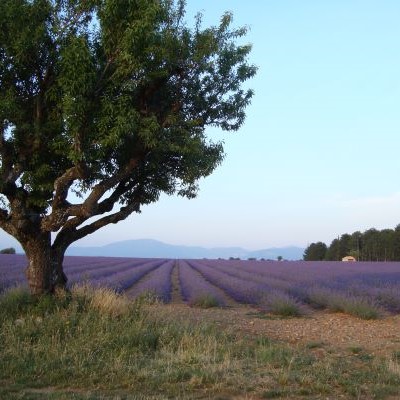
[156, 249]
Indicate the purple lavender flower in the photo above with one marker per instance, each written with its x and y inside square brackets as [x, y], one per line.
[156, 283]
[196, 290]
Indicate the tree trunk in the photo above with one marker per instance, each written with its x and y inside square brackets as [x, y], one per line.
[44, 271]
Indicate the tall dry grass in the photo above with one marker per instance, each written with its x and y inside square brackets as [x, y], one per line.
[104, 300]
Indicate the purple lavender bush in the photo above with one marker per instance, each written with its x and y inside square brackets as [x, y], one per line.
[12, 271]
[247, 292]
[366, 290]
[335, 300]
[196, 290]
[98, 268]
[281, 303]
[93, 270]
[122, 280]
[155, 285]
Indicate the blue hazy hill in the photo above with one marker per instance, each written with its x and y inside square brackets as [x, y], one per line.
[154, 248]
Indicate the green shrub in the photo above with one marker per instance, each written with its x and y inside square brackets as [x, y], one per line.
[205, 301]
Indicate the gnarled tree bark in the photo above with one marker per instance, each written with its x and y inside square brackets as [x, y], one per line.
[44, 271]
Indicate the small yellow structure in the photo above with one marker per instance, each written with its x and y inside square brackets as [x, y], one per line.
[349, 259]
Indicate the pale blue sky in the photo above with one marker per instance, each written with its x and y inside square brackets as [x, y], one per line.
[318, 154]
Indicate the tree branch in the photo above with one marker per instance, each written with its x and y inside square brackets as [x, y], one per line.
[105, 206]
[64, 183]
[7, 225]
[90, 205]
[69, 235]
[62, 210]
[120, 215]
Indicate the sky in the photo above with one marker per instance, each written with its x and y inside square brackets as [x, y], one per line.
[318, 153]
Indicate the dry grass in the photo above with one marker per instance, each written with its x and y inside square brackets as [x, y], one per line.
[394, 365]
[104, 300]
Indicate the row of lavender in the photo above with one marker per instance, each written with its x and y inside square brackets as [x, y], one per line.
[119, 274]
[134, 276]
[365, 289]
[360, 288]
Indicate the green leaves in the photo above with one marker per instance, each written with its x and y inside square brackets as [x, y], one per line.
[119, 92]
[77, 82]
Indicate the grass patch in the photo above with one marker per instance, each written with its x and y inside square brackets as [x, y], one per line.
[315, 345]
[281, 304]
[394, 363]
[95, 344]
[149, 297]
[205, 300]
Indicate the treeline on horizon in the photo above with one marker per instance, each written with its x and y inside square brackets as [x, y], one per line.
[371, 245]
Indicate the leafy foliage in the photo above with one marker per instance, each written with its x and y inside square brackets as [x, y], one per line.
[315, 252]
[112, 82]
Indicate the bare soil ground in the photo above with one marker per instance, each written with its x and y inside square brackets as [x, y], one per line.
[379, 337]
[342, 331]
[338, 330]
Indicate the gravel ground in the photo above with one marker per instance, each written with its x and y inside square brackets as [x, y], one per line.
[380, 337]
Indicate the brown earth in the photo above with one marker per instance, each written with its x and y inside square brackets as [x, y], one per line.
[342, 331]
[379, 337]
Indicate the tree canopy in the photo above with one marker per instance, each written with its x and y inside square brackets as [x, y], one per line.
[103, 107]
[315, 252]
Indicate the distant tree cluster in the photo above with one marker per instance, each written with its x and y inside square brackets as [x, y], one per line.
[8, 250]
[371, 245]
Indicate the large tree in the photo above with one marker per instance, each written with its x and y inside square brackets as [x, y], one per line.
[104, 106]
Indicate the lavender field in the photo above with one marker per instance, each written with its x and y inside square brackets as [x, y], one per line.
[365, 289]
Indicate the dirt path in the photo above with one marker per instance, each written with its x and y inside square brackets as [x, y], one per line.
[379, 337]
[176, 295]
